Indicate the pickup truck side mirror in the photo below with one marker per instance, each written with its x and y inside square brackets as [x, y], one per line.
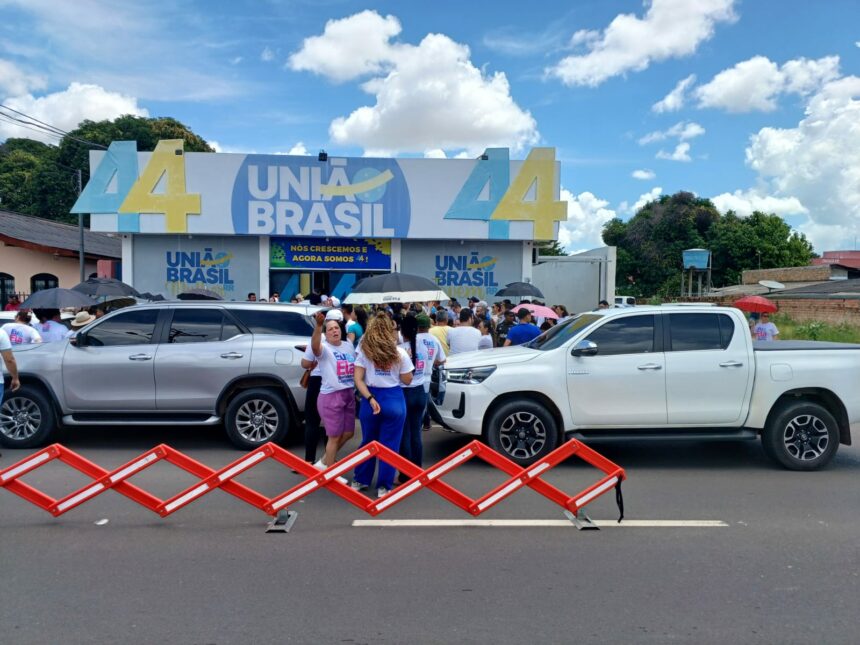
[78, 340]
[584, 348]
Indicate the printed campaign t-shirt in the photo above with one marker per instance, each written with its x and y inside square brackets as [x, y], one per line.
[53, 331]
[420, 361]
[20, 334]
[4, 342]
[377, 377]
[765, 331]
[337, 366]
[435, 352]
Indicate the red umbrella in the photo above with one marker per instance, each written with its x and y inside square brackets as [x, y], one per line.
[756, 304]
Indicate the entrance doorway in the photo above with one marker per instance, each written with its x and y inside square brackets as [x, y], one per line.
[333, 283]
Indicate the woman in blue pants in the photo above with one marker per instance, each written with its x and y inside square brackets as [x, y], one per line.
[414, 393]
[380, 367]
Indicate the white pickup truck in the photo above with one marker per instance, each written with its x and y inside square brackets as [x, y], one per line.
[675, 371]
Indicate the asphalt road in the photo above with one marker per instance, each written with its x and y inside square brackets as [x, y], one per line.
[785, 569]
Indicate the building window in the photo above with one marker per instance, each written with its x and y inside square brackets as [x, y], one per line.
[43, 281]
[7, 288]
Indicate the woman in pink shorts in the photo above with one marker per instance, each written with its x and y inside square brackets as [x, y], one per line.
[336, 403]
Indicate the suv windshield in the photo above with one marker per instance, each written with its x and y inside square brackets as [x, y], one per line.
[563, 332]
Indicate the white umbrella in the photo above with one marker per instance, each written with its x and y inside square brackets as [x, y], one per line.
[394, 287]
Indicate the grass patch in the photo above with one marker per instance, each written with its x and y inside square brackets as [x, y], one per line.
[815, 330]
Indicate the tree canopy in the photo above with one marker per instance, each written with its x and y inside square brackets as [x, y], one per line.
[650, 244]
[39, 179]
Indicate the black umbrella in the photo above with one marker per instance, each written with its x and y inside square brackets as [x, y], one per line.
[57, 299]
[199, 294]
[105, 287]
[395, 287]
[152, 297]
[520, 290]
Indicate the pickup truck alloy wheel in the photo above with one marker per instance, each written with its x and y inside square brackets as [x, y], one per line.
[524, 431]
[26, 418]
[806, 437]
[801, 436]
[255, 417]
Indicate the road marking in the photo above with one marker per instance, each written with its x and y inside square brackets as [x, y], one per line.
[630, 524]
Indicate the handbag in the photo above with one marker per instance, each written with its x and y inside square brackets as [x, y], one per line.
[306, 377]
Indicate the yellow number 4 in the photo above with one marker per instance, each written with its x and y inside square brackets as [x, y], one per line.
[167, 159]
[538, 170]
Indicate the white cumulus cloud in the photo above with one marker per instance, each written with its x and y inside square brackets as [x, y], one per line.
[757, 83]
[68, 108]
[14, 82]
[682, 131]
[744, 202]
[586, 215]
[299, 149]
[669, 29]
[816, 165]
[644, 198]
[349, 47]
[675, 99]
[680, 153]
[427, 96]
[267, 55]
[644, 174]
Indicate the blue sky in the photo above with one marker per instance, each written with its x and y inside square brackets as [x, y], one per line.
[755, 105]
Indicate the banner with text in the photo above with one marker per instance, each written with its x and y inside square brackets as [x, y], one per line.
[332, 254]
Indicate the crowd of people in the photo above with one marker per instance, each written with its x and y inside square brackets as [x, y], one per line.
[376, 364]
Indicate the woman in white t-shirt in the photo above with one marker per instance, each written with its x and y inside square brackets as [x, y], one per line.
[336, 402]
[380, 367]
[414, 393]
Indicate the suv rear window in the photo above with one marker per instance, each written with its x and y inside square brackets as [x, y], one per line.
[200, 326]
[274, 322]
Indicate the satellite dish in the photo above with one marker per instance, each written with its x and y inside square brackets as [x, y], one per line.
[771, 285]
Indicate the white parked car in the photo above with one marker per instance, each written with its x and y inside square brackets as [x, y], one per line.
[657, 372]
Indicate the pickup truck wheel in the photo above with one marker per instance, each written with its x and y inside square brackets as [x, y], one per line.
[523, 431]
[255, 417]
[26, 418]
[801, 436]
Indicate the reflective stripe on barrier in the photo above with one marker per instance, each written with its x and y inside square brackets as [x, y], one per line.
[429, 478]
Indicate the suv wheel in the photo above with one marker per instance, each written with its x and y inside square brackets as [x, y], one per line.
[801, 436]
[523, 431]
[26, 418]
[255, 417]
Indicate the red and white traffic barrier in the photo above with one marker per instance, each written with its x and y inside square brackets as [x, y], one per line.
[429, 478]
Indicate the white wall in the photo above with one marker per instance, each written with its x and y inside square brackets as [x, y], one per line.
[578, 281]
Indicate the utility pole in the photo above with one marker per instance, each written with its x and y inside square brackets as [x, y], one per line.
[80, 231]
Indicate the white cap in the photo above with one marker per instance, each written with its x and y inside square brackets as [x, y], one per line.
[335, 302]
[323, 298]
[334, 314]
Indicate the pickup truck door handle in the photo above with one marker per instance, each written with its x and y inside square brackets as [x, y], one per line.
[732, 364]
[650, 366]
[140, 357]
[232, 355]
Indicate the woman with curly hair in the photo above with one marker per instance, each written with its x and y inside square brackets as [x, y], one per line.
[380, 367]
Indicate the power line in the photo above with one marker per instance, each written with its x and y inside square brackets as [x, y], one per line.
[47, 128]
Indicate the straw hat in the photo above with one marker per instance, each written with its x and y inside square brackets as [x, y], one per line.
[82, 318]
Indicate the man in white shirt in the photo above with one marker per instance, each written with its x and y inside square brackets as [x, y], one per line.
[51, 328]
[9, 359]
[765, 330]
[465, 337]
[20, 332]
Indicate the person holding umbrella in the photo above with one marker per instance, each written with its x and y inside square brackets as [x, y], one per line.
[765, 330]
[51, 329]
[380, 367]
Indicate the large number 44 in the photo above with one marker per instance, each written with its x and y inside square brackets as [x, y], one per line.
[133, 195]
[489, 195]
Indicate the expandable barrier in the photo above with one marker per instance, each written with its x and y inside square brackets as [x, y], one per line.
[430, 478]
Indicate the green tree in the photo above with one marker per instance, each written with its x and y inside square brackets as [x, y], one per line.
[650, 245]
[38, 179]
[551, 248]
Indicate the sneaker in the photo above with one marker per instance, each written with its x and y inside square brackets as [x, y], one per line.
[321, 466]
[381, 492]
[358, 486]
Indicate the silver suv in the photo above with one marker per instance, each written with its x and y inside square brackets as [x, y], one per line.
[169, 363]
